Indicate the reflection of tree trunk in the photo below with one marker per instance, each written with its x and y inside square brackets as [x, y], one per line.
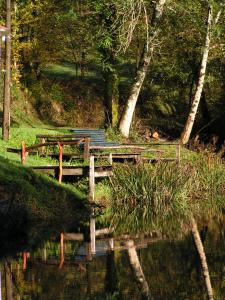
[201, 78]
[8, 282]
[137, 270]
[88, 273]
[201, 252]
[111, 279]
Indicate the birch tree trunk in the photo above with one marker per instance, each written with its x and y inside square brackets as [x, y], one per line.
[137, 270]
[127, 115]
[200, 82]
[201, 252]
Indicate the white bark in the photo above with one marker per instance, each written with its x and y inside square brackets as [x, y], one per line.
[202, 256]
[137, 269]
[127, 116]
[197, 96]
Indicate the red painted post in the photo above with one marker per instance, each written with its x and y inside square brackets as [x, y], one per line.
[24, 260]
[62, 258]
[60, 162]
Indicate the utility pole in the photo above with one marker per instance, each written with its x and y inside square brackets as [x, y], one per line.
[7, 87]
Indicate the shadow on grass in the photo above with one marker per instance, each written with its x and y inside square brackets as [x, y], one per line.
[33, 208]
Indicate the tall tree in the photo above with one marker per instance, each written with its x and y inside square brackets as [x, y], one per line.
[142, 69]
[201, 76]
[106, 19]
[7, 96]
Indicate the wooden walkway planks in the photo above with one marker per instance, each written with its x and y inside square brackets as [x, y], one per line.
[101, 171]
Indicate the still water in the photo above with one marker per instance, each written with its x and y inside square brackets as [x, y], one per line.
[171, 269]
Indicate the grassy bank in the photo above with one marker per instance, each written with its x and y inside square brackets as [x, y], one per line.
[33, 207]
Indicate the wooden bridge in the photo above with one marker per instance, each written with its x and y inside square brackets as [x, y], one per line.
[93, 146]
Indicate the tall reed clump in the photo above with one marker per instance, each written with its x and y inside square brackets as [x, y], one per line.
[208, 187]
[162, 197]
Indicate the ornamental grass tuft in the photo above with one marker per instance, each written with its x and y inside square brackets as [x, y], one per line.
[162, 197]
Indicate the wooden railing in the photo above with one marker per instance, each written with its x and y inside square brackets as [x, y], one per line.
[60, 143]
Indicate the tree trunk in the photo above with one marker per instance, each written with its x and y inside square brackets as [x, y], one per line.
[201, 78]
[127, 115]
[201, 252]
[204, 109]
[110, 70]
[8, 282]
[6, 104]
[111, 96]
[137, 270]
[111, 278]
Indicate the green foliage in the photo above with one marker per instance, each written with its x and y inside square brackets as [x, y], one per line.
[56, 93]
[162, 197]
[85, 40]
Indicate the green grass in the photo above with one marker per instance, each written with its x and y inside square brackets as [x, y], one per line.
[67, 72]
[35, 207]
[162, 197]
[27, 134]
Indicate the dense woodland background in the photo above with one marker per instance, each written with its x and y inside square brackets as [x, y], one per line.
[74, 61]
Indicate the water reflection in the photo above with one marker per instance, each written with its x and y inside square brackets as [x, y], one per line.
[164, 269]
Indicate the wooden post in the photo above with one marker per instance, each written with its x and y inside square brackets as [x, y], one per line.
[92, 179]
[24, 261]
[87, 142]
[23, 153]
[92, 199]
[42, 149]
[111, 244]
[62, 258]
[110, 159]
[88, 252]
[60, 162]
[92, 234]
[178, 149]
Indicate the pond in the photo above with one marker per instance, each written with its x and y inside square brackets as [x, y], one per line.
[171, 269]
